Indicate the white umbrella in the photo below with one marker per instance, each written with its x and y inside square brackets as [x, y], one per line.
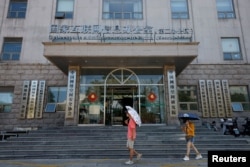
[134, 115]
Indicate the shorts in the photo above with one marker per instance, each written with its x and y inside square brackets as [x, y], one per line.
[190, 139]
[130, 143]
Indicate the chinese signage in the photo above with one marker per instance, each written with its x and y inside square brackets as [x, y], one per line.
[204, 101]
[118, 33]
[211, 98]
[172, 91]
[24, 99]
[71, 94]
[215, 97]
[219, 98]
[227, 98]
[40, 97]
[32, 99]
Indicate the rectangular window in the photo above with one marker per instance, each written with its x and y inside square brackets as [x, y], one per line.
[58, 96]
[11, 49]
[65, 9]
[225, 9]
[122, 9]
[239, 94]
[231, 49]
[179, 9]
[6, 98]
[17, 9]
[187, 98]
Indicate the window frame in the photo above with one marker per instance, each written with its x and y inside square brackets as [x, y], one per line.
[60, 105]
[193, 100]
[230, 14]
[18, 14]
[17, 45]
[238, 94]
[179, 14]
[122, 15]
[63, 14]
[6, 107]
[231, 55]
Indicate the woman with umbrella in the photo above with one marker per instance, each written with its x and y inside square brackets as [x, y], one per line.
[189, 130]
[133, 119]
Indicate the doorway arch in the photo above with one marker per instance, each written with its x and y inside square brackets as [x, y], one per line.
[120, 79]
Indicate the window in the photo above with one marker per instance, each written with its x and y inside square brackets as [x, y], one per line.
[240, 94]
[17, 9]
[122, 9]
[11, 49]
[225, 9]
[231, 49]
[179, 9]
[64, 9]
[57, 95]
[187, 98]
[6, 98]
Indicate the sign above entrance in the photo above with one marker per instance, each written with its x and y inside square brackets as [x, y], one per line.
[119, 33]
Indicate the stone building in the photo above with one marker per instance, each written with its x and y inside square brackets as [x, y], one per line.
[79, 62]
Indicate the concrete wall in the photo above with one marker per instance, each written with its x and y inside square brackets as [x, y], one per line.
[208, 29]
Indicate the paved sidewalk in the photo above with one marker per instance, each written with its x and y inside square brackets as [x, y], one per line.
[144, 162]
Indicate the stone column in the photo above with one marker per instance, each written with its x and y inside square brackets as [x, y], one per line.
[71, 112]
[171, 95]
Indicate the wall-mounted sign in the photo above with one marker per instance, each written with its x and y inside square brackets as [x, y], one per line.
[40, 99]
[32, 99]
[172, 94]
[24, 99]
[227, 98]
[219, 98]
[204, 100]
[211, 99]
[70, 105]
[104, 33]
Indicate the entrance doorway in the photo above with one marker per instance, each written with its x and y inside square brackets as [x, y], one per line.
[104, 93]
[117, 97]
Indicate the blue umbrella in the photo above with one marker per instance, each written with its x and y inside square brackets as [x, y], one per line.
[188, 116]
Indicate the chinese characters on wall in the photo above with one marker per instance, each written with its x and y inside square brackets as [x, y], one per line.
[24, 99]
[32, 99]
[104, 33]
[71, 94]
[204, 100]
[215, 98]
[172, 91]
[40, 98]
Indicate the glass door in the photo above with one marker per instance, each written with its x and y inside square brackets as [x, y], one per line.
[117, 98]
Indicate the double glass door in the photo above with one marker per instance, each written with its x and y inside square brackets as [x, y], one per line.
[117, 97]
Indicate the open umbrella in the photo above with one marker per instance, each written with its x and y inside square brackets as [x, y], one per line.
[188, 116]
[134, 115]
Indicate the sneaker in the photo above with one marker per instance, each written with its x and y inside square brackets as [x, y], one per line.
[186, 158]
[129, 162]
[198, 156]
[139, 156]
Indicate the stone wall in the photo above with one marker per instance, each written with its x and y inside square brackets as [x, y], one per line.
[12, 75]
[237, 75]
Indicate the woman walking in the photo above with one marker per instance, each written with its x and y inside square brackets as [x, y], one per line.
[189, 130]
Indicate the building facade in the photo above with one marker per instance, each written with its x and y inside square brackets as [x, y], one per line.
[80, 62]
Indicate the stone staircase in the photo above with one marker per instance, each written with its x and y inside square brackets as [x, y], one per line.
[110, 142]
